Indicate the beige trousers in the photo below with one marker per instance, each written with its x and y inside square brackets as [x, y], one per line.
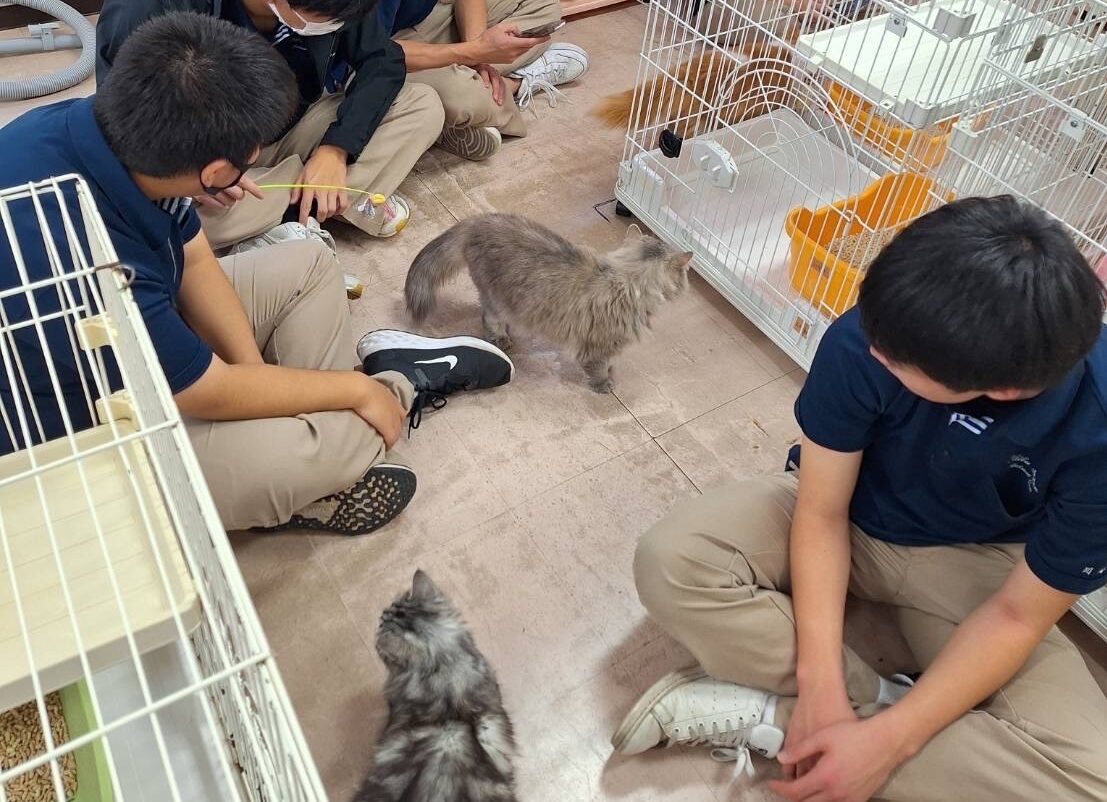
[467, 102]
[714, 573]
[261, 471]
[411, 126]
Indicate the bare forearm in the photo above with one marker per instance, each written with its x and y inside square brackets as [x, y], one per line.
[820, 559]
[423, 56]
[212, 309]
[242, 392]
[471, 17]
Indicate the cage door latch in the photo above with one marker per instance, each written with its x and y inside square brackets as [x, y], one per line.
[716, 161]
[95, 331]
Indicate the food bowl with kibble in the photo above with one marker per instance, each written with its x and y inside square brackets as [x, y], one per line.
[833, 245]
[84, 771]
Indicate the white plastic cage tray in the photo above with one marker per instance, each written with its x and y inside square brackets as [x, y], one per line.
[900, 61]
[122, 502]
[737, 233]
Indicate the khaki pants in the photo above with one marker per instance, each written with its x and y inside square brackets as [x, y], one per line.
[714, 573]
[466, 100]
[261, 471]
[411, 126]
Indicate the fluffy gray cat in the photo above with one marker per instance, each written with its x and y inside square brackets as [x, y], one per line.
[590, 303]
[448, 738]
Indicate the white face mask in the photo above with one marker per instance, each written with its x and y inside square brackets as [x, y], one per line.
[308, 28]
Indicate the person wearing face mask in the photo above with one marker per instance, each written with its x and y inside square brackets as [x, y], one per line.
[357, 125]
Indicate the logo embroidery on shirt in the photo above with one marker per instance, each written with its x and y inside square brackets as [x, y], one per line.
[974, 425]
[1021, 463]
[1092, 570]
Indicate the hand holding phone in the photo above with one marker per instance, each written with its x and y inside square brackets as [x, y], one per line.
[502, 44]
[542, 30]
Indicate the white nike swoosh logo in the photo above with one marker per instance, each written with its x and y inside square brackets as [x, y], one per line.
[449, 360]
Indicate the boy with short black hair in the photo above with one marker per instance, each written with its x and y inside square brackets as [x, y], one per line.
[955, 467]
[356, 123]
[257, 348]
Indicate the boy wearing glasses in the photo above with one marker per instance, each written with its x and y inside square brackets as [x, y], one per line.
[257, 348]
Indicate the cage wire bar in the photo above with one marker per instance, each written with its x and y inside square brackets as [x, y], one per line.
[116, 577]
[784, 142]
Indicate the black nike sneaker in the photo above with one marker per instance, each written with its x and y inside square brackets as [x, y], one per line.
[436, 366]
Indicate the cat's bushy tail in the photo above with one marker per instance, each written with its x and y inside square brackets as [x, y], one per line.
[440, 260]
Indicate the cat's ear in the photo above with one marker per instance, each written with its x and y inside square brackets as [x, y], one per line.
[681, 261]
[423, 588]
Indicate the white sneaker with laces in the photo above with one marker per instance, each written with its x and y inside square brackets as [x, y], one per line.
[293, 231]
[560, 64]
[386, 220]
[690, 708]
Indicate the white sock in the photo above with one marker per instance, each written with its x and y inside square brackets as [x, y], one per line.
[891, 692]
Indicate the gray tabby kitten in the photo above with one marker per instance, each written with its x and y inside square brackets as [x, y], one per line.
[448, 738]
[590, 303]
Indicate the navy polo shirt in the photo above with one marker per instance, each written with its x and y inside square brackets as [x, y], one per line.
[1032, 471]
[61, 139]
[397, 15]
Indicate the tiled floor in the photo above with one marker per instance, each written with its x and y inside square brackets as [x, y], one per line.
[531, 497]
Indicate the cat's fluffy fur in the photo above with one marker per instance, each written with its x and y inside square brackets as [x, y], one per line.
[448, 738]
[589, 303]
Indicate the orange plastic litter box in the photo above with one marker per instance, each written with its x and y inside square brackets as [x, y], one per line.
[827, 281]
[918, 149]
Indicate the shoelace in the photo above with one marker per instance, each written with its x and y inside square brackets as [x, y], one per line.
[529, 87]
[730, 742]
[426, 398]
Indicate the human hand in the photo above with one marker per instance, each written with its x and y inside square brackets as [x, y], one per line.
[326, 167]
[376, 405]
[493, 80]
[815, 710]
[853, 759]
[230, 196]
[501, 44]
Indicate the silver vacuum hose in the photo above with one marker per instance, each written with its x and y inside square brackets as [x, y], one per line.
[63, 78]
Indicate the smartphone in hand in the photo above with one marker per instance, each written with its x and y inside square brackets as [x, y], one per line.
[542, 30]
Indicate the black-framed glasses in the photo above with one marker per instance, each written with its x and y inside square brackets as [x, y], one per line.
[213, 191]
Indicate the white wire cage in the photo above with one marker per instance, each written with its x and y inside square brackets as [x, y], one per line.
[784, 142]
[133, 663]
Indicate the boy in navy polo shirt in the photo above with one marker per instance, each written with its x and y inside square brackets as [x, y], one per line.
[954, 467]
[257, 348]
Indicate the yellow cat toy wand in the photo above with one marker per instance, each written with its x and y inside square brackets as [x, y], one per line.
[375, 198]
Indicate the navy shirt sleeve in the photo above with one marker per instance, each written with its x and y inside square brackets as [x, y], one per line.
[183, 355]
[841, 400]
[190, 225]
[1068, 549]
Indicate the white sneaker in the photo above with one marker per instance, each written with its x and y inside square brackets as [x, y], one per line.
[690, 708]
[474, 144]
[386, 220]
[560, 64]
[289, 232]
[293, 231]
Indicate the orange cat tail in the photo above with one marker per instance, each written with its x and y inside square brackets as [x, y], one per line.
[614, 110]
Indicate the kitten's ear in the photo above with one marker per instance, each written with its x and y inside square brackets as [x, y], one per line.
[681, 261]
[423, 588]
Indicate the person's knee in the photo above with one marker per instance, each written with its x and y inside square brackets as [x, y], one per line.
[313, 261]
[465, 98]
[660, 563]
